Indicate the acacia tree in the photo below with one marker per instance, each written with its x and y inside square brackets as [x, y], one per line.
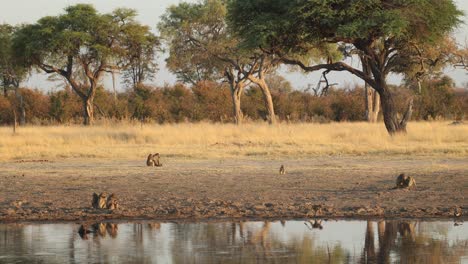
[203, 48]
[141, 46]
[390, 36]
[11, 72]
[80, 45]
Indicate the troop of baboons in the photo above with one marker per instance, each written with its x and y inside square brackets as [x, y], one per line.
[102, 201]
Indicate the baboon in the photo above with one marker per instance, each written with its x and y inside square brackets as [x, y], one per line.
[282, 170]
[457, 212]
[99, 201]
[153, 160]
[404, 181]
[112, 202]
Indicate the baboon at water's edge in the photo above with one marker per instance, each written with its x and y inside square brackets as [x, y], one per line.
[112, 202]
[99, 201]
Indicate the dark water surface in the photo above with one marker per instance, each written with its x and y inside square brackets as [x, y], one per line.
[237, 242]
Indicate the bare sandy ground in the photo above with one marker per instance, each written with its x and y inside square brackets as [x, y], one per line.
[330, 187]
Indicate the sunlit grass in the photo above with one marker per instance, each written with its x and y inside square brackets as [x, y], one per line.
[206, 140]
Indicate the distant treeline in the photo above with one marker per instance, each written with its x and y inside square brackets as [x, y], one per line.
[209, 101]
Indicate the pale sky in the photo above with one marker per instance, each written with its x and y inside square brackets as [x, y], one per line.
[29, 11]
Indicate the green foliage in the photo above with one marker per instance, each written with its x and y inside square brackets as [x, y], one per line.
[278, 84]
[197, 36]
[138, 48]
[81, 31]
[394, 33]
[436, 99]
[82, 45]
[11, 72]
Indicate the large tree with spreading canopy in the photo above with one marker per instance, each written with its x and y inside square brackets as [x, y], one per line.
[81, 46]
[12, 73]
[202, 47]
[389, 36]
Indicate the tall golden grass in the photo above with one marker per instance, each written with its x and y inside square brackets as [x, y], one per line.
[204, 140]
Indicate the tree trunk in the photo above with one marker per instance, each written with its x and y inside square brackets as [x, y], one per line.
[390, 114]
[236, 102]
[372, 104]
[268, 100]
[88, 111]
[19, 98]
[15, 124]
[371, 97]
[22, 112]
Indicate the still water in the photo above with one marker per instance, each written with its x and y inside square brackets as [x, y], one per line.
[237, 242]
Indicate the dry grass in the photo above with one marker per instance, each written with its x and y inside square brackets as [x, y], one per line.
[123, 141]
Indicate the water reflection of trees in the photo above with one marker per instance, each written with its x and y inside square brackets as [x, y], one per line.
[401, 242]
[234, 242]
[240, 242]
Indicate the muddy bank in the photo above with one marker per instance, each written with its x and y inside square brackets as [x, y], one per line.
[329, 187]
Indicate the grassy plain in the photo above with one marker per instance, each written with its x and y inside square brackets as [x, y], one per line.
[219, 141]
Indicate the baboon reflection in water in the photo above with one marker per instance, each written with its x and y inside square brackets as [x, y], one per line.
[98, 229]
[155, 226]
[317, 224]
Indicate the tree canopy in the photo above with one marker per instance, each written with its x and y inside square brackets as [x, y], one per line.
[81, 46]
[11, 72]
[388, 35]
[203, 47]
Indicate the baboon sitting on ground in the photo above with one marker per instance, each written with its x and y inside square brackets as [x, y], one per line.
[102, 201]
[404, 181]
[153, 160]
[112, 202]
[99, 201]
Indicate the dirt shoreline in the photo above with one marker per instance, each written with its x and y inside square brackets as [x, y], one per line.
[193, 190]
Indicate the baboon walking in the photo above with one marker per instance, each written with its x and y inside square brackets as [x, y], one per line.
[282, 171]
[153, 160]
